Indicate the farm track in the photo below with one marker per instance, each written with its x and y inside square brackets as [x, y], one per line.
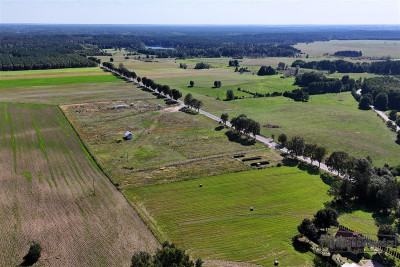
[48, 197]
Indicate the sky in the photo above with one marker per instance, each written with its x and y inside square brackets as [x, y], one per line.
[221, 12]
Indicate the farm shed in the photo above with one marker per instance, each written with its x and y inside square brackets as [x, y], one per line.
[128, 135]
[122, 106]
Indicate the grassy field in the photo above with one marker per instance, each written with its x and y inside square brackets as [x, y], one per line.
[331, 120]
[253, 83]
[73, 93]
[26, 74]
[369, 48]
[56, 81]
[167, 145]
[46, 195]
[214, 222]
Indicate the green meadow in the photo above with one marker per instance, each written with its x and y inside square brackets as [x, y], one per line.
[57, 81]
[67, 70]
[215, 221]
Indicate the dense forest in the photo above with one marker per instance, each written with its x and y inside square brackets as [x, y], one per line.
[348, 53]
[25, 52]
[314, 83]
[59, 46]
[382, 92]
[388, 67]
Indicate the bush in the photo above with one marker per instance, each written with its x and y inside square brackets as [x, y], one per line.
[168, 255]
[264, 70]
[393, 115]
[34, 253]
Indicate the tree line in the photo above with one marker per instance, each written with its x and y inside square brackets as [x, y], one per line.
[363, 183]
[382, 92]
[165, 89]
[388, 67]
[167, 256]
[348, 53]
[192, 102]
[264, 70]
[314, 83]
[242, 124]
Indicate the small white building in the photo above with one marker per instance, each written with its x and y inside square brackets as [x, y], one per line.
[128, 135]
[122, 106]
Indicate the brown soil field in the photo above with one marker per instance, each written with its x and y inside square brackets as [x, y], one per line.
[53, 193]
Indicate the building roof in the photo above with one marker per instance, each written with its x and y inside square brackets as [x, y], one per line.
[346, 233]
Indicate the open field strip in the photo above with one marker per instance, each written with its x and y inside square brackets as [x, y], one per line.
[46, 195]
[56, 81]
[369, 48]
[73, 93]
[26, 74]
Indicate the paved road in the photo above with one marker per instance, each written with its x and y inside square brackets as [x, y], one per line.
[266, 141]
[381, 113]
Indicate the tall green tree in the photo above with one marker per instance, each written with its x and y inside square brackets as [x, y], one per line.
[326, 218]
[224, 117]
[230, 95]
[365, 102]
[282, 139]
[296, 145]
[381, 101]
[338, 161]
[309, 151]
[319, 155]
[188, 100]
[308, 229]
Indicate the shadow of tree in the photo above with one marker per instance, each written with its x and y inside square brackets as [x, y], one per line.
[311, 169]
[290, 162]
[219, 128]
[380, 218]
[238, 138]
[301, 247]
[329, 179]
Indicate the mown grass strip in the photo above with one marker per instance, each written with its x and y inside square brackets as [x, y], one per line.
[41, 144]
[57, 81]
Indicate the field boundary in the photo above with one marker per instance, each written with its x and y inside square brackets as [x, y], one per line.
[101, 170]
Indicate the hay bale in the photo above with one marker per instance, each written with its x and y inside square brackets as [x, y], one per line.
[251, 208]
[200, 185]
[276, 263]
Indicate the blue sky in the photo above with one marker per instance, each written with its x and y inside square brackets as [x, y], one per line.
[281, 12]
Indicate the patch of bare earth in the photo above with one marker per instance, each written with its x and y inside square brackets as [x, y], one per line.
[51, 193]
